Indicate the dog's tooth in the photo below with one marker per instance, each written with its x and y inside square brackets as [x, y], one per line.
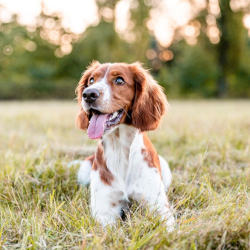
[114, 115]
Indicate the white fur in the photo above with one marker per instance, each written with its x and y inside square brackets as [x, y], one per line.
[165, 173]
[133, 178]
[83, 176]
[102, 198]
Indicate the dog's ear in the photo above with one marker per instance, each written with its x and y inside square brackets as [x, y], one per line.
[82, 120]
[149, 102]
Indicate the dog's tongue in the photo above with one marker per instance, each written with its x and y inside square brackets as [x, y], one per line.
[97, 125]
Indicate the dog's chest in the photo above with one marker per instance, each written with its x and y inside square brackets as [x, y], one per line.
[118, 147]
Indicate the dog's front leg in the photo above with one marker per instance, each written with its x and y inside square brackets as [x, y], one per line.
[106, 199]
[147, 187]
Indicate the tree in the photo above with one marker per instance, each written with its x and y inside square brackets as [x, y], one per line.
[231, 46]
[226, 57]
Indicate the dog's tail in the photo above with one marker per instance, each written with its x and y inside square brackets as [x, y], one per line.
[83, 175]
[165, 173]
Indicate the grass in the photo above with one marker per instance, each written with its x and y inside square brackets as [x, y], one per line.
[42, 207]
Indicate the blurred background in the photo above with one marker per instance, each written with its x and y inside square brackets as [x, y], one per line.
[194, 48]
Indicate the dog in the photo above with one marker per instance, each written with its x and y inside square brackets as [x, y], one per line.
[119, 102]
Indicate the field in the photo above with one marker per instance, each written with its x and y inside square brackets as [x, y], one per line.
[207, 144]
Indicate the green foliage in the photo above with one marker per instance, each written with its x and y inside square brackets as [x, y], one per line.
[98, 43]
[28, 64]
[195, 71]
[33, 66]
[231, 47]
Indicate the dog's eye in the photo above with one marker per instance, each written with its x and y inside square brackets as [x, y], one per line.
[91, 80]
[119, 81]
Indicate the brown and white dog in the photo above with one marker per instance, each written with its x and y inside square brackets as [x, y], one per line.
[119, 102]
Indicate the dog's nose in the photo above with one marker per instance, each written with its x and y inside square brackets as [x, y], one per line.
[90, 95]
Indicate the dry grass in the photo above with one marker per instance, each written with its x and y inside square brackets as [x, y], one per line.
[42, 207]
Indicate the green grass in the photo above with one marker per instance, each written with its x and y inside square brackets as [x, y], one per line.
[207, 144]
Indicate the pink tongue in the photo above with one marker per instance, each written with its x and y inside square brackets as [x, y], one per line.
[97, 126]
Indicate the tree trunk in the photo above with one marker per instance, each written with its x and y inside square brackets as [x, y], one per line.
[222, 49]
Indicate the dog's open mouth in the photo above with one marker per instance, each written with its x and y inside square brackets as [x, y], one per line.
[99, 122]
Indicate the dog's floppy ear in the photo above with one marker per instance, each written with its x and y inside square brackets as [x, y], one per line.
[82, 120]
[149, 102]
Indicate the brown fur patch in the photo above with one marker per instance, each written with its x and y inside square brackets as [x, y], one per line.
[113, 204]
[99, 164]
[90, 158]
[150, 154]
[117, 133]
[82, 120]
[149, 101]
[122, 95]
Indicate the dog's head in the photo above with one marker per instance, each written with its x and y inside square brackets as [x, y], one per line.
[114, 93]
